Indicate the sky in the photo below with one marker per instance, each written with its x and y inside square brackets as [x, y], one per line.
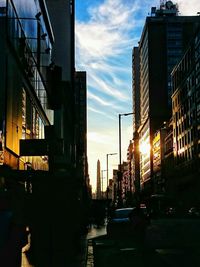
[105, 33]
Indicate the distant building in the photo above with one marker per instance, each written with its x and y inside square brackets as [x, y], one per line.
[110, 189]
[158, 159]
[115, 186]
[125, 183]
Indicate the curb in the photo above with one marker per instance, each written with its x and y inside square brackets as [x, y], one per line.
[90, 254]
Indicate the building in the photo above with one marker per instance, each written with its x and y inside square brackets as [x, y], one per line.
[131, 173]
[81, 125]
[115, 187]
[25, 110]
[61, 14]
[81, 134]
[125, 183]
[38, 123]
[136, 87]
[110, 189]
[136, 111]
[168, 162]
[157, 60]
[158, 159]
[186, 122]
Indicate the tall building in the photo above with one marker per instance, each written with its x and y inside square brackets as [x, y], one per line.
[25, 54]
[81, 118]
[186, 123]
[61, 14]
[81, 132]
[38, 126]
[164, 38]
[98, 187]
[136, 123]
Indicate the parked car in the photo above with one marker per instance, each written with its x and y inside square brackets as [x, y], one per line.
[120, 224]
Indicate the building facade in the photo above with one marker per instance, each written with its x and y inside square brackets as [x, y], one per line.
[186, 122]
[38, 123]
[136, 111]
[156, 63]
[26, 46]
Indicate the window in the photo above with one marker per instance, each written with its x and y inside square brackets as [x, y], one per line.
[2, 8]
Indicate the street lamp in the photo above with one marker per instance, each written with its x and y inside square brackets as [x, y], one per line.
[120, 156]
[110, 154]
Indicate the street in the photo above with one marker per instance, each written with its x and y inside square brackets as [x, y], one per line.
[107, 252]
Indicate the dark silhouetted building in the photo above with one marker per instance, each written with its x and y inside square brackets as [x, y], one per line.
[164, 38]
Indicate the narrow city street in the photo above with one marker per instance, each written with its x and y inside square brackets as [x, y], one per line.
[101, 251]
[108, 252]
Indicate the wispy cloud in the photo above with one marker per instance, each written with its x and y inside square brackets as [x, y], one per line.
[108, 87]
[102, 44]
[99, 138]
[98, 99]
[101, 113]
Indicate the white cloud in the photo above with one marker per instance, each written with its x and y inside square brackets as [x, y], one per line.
[102, 44]
[189, 8]
[108, 87]
[101, 113]
[99, 100]
[99, 138]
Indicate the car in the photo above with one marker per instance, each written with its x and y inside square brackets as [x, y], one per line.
[120, 224]
[194, 212]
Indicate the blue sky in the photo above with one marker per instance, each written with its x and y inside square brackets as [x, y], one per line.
[106, 31]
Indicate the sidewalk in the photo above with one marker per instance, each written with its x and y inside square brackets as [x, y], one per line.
[92, 235]
[81, 260]
[85, 258]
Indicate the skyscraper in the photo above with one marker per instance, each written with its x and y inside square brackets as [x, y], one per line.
[164, 38]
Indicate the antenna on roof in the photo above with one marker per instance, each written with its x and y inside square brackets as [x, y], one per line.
[162, 3]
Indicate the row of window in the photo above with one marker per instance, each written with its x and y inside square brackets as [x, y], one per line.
[186, 139]
[186, 155]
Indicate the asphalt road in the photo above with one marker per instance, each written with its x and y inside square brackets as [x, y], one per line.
[123, 253]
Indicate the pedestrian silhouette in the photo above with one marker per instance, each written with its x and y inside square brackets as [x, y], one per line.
[139, 224]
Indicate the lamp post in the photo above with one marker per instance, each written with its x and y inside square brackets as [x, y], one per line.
[110, 154]
[120, 157]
